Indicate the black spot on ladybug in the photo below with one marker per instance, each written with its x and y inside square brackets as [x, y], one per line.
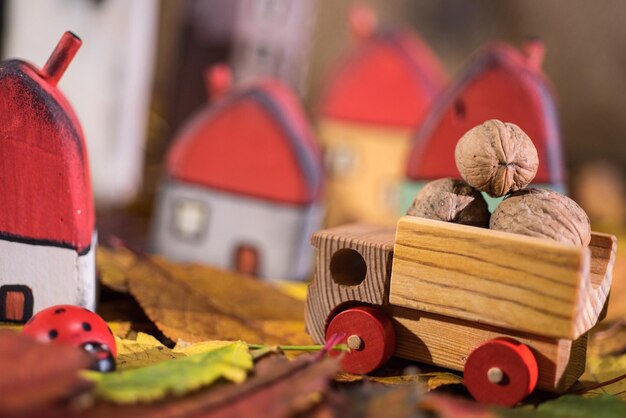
[110, 332]
[58, 311]
[53, 333]
[86, 326]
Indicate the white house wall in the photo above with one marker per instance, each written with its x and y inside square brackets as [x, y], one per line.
[55, 275]
[279, 232]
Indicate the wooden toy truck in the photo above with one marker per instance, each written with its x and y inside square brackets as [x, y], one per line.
[512, 312]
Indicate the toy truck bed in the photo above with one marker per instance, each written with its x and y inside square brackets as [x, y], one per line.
[512, 281]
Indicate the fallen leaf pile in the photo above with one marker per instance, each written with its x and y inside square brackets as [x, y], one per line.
[215, 353]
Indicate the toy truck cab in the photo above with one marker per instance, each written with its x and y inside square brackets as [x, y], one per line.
[510, 311]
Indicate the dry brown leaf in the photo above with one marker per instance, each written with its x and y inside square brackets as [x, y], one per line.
[373, 401]
[33, 375]
[196, 303]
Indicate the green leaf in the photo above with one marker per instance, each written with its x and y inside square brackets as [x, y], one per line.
[177, 376]
[570, 406]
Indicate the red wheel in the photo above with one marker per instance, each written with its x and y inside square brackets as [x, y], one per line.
[502, 371]
[370, 335]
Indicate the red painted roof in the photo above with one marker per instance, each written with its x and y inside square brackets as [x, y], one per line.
[255, 142]
[44, 171]
[390, 78]
[499, 83]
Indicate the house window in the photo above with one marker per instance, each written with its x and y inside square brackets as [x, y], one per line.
[246, 260]
[16, 303]
[190, 219]
[340, 160]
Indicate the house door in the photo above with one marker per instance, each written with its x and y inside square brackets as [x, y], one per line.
[247, 260]
[16, 303]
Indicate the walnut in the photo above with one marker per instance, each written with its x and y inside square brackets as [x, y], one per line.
[545, 214]
[496, 157]
[451, 200]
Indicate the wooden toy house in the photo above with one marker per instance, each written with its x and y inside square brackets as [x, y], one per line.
[272, 38]
[47, 220]
[500, 82]
[376, 96]
[243, 185]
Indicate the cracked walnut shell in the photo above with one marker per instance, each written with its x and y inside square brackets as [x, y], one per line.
[451, 200]
[497, 158]
[544, 214]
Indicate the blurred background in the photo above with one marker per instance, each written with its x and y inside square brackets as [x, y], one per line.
[141, 74]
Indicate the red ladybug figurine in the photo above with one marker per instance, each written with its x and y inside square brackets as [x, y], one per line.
[77, 326]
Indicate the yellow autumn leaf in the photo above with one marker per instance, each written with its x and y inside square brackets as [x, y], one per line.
[11, 326]
[602, 369]
[177, 376]
[119, 328]
[144, 351]
[112, 266]
[296, 290]
[189, 349]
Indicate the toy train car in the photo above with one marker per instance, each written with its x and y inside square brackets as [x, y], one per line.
[512, 312]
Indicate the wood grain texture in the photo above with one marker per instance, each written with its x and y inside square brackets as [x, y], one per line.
[359, 187]
[512, 281]
[447, 342]
[593, 302]
[375, 244]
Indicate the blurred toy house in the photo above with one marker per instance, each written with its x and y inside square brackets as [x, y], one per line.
[243, 186]
[499, 82]
[380, 90]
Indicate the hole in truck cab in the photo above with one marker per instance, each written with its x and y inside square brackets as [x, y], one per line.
[347, 267]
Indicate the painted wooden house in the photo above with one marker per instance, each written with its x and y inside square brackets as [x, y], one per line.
[47, 220]
[243, 185]
[378, 93]
[500, 82]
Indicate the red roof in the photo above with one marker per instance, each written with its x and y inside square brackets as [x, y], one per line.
[390, 78]
[44, 172]
[255, 142]
[499, 83]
